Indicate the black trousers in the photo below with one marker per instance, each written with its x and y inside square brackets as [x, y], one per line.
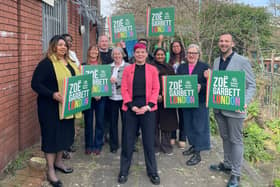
[130, 126]
[114, 130]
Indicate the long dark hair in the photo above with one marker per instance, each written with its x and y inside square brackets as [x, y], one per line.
[53, 45]
[159, 49]
[173, 55]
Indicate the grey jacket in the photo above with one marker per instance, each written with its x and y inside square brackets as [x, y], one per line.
[119, 80]
[239, 63]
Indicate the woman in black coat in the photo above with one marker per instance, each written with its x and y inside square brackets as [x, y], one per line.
[166, 117]
[196, 120]
[57, 135]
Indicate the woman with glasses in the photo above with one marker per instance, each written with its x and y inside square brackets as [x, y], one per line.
[116, 100]
[196, 120]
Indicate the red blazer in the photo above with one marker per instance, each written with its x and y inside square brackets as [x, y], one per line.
[152, 85]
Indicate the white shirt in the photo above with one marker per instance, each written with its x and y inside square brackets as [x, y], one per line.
[115, 96]
[74, 57]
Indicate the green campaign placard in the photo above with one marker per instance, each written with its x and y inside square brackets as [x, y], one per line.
[226, 90]
[101, 74]
[180, 91]
[122, 28]
[160, 21]
[76, 95]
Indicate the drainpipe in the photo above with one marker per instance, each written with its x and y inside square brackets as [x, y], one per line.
[19, 62]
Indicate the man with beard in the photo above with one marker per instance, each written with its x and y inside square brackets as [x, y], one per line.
[230, 123]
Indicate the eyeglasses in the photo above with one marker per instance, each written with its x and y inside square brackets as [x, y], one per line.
[192, 53]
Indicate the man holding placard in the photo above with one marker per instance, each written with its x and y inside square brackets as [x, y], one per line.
[231, 122]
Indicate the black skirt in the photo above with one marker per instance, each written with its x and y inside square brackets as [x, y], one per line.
[57, 135]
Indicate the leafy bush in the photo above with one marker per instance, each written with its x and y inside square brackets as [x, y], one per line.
[274, 126]
[254, 148]
[254, 109]
[213, 123]
[276, 182]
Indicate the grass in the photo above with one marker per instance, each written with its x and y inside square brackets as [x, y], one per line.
[19, 162]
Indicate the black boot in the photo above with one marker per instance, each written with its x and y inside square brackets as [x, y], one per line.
[188, 152]
[233, 181]
[195, 159]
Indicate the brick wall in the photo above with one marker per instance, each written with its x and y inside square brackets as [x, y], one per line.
[9, 81]
[30, 53]
[20, 52]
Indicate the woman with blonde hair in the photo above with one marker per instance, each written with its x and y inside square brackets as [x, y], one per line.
[47, 81]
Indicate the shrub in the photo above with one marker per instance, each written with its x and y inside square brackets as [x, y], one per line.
[274, 126]
[254, 148]
[213, 123]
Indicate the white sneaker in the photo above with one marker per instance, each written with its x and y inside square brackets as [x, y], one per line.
[170, 154]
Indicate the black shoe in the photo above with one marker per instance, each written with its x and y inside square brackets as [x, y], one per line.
[195, 159]
[233, 181]
[220, 168]
[188, 152]
[154, 178]
[66, 170]
[71, 149]
[57, 183]
[122, 179]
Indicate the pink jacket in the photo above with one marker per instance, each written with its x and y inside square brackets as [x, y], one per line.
[152, 85]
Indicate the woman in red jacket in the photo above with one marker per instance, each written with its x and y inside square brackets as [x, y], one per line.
[140, 89]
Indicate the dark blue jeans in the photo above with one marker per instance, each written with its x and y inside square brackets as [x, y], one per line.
[94, 142]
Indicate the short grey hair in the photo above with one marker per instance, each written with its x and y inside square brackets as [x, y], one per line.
[194, 46]
[119, 49]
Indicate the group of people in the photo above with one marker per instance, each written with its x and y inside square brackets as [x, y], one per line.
[137, 96]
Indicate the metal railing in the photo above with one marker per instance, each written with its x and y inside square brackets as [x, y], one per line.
[268, 94]
[54, 21]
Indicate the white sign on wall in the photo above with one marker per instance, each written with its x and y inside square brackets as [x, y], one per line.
[49, 2]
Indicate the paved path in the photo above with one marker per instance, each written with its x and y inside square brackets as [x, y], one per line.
[102, 170]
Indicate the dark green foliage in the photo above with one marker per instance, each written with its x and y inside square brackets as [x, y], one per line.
[254, 109]
[213, 124]
[274, 126]
[249, 26]
[254, 147]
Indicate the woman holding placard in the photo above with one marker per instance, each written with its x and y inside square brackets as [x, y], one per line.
[166, 118]
[116, 100]
[57, 134]
[177, 57]
[196, 120]
[93, 144]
